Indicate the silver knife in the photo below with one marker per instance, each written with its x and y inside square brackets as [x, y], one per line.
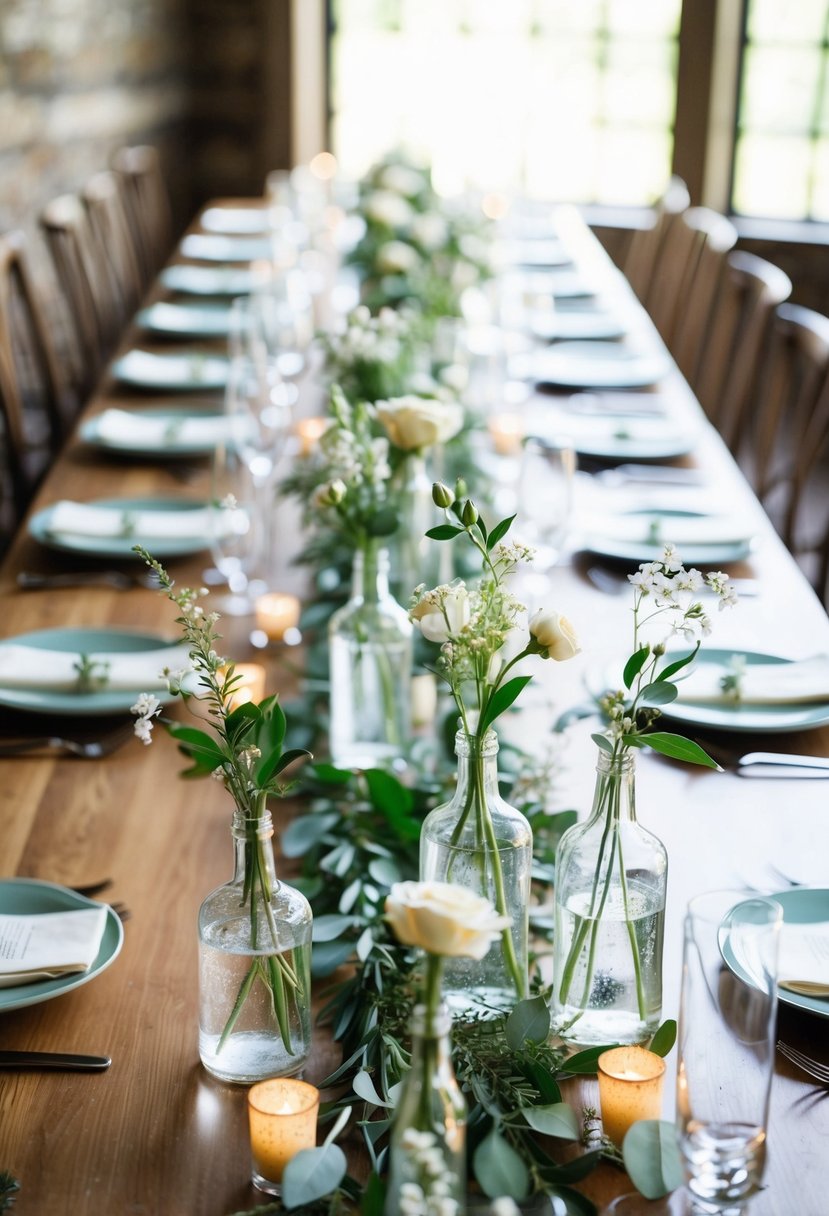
[53, 1059]
[781, 764]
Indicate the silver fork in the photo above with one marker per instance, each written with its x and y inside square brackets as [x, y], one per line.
[89, 749]
[813, 1068]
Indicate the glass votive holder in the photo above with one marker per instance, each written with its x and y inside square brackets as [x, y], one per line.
[283, 1121]
[309, 431]
[248, 684]
[277, 620]
[630, 1089]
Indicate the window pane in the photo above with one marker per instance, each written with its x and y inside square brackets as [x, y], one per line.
[779, 21]
[780, 88]
[525, 95]
[772, 177]
[820, 204]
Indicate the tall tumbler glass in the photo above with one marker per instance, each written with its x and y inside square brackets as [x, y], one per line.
[726, 1047]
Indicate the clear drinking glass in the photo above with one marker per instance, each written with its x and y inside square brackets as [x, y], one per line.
[726, 1047]
[237, 539]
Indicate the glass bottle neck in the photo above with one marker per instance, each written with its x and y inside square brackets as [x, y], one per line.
[478, 763]
[370, 574]
[252, 847]
[430, 1038]
[615, 793]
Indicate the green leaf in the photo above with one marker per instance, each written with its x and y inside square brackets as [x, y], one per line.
[272, 725]
[661, 692]
[499, 532]
[499, 1170]
[664, 1039]
[529, 1020]
[384, 871]
[556, 1120]
[678, 664]
[329, 927]
[634, 665]
[542, 1079]
[584, 1063]
[302, 834]
[311, 1174]
[363, 1087]
[444, 532]
[602, 741]
[289, 757]
[374, 1196]
[501, 699]
[395, 802]
[329, 775]
[651, 1156]
[198, 746]
[328, 956]
[679, 749]
[383, 522]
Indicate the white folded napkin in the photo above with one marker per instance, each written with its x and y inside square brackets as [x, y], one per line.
[764, 684]
[24, 666]
[804, 953]
[95, 520]
[677, 530]
[146, 367]
[134, 430]
[49, 945]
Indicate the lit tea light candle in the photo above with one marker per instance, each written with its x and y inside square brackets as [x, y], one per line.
[283, 1121]
[424, 699]
[309, 432]
[277, 617]
[630, 1089]
[506, 432]
[248, 684]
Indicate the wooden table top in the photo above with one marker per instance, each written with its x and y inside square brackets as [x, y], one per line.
[156, 1134]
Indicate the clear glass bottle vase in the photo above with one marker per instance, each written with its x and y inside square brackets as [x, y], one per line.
[611, 877]
[254, 966]
[370, 656]
[427, 1163]
[480, 842]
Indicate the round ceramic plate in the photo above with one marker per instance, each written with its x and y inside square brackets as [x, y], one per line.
[576, 324]
[539, 252]
[208, 280]
[637, 551]
[235, 221]
[121, 546]
[801, 906]
[169, 443]
[84, 641]
[186, 320]
[31, 897]
[599, 365]
[212, 247]
[171, 373]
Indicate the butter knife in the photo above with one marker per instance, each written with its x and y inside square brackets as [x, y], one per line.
[782, 764]
[53, 1059]
[811, 988]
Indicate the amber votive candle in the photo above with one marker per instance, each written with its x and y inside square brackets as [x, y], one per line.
[309, 432]
[248, 684]
[283, 1121]
[506, 432]
[277, 612]
[630, 1089]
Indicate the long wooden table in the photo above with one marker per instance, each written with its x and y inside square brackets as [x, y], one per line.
[157, 1135]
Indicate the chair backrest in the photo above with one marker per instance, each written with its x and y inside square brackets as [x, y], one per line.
[147, 206]
[83, 280]
[715, 238]
[113, 244]
[646, 243]
[749, 292]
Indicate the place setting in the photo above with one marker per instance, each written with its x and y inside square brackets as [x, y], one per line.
[216, 247]
[156, 432]
[183, 372]
[179, 320]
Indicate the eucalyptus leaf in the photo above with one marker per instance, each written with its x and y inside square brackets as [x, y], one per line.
[634, 665]
[679, 749]
[661, 692]
[652, 1159]
[339, 1124]
[363, 1087]
[302, 834]
[543, 1081]
[330, 927]
[384, 871]
[328, 956]
[529, 1020]
[311, 1174]
[664, 1039]
[559, 1119]
[585, 1063]
[499, 1169]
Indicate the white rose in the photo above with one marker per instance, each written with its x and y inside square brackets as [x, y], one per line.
[396, 257]
[555, 634]
[387, 208]
[430, 230]
[444, 919]
[419, 422]
[402, 180]
[442, 613]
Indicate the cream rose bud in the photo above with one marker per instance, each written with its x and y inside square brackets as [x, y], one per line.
[386, 207]
[402, 180]
[419, 422]
[554, 634]
[430, 230]
[396, 257]
[442, 613]
[443, 919]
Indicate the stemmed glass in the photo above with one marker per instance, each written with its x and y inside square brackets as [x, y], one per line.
[544, 495]
[285, 321]
[237, 528]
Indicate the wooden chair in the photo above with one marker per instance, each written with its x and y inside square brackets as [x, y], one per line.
[728, 361]
[715, 237]
[147, 206]
[113, 245]
[646, 244]
[84, 281]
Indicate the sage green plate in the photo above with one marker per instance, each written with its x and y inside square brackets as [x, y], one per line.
[208, 280]
[213, 247]
[801, 906]
[186, 320]
[169, 447]
[121, 546]
[235, 221]
[176, 373]
[31, 897]
[84, 641]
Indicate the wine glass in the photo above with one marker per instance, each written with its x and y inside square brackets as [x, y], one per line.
[284, 314]
[238, 528]
[544, 501]
[727, 1040]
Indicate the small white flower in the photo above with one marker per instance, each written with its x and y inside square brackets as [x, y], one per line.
[387, 208]
[144, 730]
[147, 706]
[396, 257]
[442, 612]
